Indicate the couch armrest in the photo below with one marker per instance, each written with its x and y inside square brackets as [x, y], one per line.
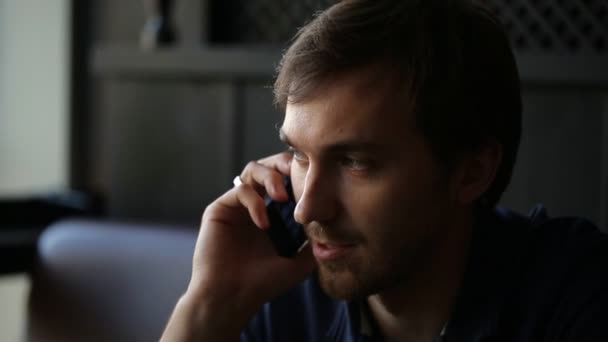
[107, 281]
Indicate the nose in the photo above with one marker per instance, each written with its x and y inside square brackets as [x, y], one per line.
[318, 201]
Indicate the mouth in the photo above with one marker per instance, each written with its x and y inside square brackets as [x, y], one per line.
[331, 251]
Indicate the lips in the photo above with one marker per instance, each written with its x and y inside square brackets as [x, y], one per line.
[330, 251]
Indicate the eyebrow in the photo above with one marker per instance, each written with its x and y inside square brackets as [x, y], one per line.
[342, 146]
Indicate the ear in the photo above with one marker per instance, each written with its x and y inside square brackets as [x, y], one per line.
[476, 172]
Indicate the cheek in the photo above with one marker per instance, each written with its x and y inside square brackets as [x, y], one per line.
[393, 207]
[373, 207]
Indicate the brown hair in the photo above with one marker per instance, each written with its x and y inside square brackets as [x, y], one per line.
[451, 56]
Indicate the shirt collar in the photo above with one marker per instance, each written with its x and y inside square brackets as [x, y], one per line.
[369, 326]
[346, 325]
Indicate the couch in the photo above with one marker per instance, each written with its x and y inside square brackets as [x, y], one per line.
[97, 280]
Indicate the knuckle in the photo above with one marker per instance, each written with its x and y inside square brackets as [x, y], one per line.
[249, 167]
[244, 193]
[254, 170]
[208, 211]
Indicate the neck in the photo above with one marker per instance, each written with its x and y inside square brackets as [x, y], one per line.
[418, 309]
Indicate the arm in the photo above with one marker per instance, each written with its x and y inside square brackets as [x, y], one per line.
[235, 268]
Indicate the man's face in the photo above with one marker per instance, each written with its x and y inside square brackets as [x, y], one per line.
[370, 194]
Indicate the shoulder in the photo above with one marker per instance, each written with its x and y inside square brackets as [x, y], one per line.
[566, 252]
[551, 246]
[560, 288]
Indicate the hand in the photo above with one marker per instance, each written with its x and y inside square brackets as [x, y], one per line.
[235, 266]
[233, 252]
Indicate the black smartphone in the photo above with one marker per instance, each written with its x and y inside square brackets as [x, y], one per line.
[286, 234]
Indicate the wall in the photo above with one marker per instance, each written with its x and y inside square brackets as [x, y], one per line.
[34, 61]
[211, 121]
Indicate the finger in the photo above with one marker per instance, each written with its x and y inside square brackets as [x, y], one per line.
[265, 178]
[280, 162]
[245, 196]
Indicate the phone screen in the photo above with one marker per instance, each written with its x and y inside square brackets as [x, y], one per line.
[286, 234]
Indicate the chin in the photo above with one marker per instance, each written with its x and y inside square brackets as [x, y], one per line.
[358, 279]
[342, 283]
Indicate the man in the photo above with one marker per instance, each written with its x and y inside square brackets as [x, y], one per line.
[402, 121]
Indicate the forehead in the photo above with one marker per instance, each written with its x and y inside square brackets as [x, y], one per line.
[362, 106]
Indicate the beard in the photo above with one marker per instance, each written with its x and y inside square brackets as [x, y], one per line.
[374, 268]
[345, 281]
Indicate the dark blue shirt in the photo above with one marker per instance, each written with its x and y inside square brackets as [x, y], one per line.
[527, 279]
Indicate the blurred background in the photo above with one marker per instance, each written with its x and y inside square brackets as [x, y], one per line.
[143, 111]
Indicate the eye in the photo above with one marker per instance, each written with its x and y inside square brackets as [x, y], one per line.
[355, 164]
[297, 155]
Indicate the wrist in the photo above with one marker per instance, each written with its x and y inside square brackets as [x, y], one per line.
[204, 316]
[221, 309]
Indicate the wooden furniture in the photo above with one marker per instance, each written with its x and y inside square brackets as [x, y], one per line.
[168, 129]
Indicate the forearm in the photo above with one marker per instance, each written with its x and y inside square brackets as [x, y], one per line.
[204, 318]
